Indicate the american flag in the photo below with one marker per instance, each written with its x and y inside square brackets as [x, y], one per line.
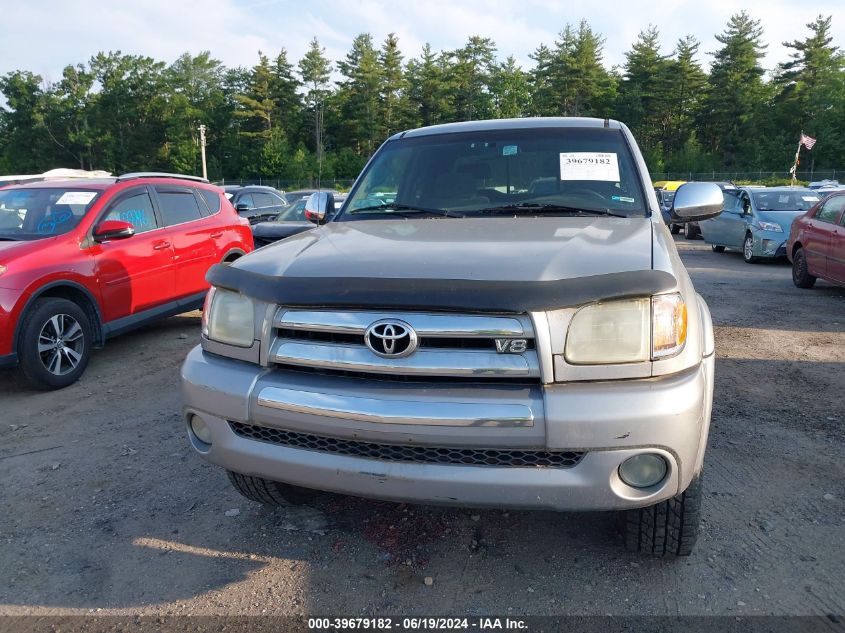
[807, 141]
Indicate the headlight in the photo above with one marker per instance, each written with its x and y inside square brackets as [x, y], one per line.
[668, 325]
[606, 333]
[2, 269]
[770, 226]
[629, 331]
[228, 317]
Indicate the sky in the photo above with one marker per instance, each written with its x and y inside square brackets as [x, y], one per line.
[43, 36]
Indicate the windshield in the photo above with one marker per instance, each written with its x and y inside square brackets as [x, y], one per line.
[33, 214]
[541, 170]
[293, 213]
[792, 200]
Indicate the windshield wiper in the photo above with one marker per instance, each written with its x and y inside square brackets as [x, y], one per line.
[529, 207]
[403, 210]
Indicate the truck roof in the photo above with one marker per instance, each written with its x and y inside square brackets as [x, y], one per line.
[510, 124]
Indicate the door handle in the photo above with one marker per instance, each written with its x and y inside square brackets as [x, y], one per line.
[159, 246]
[217, 234]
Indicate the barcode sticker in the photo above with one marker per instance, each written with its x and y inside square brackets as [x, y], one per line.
[589, 166]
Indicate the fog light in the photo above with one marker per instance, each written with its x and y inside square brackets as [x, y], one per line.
[200, 429]
[643, 470]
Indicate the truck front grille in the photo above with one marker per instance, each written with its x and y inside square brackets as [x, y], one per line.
[404, 453]
[449, 345]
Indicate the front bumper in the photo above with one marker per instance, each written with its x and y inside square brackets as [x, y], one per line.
[609, 421]
[770, 244]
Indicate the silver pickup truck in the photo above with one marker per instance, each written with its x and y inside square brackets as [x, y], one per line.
[496, 317]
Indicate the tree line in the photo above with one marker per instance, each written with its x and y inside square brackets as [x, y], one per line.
[292, 121]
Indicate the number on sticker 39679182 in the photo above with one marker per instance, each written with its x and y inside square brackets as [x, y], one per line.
[589, 166]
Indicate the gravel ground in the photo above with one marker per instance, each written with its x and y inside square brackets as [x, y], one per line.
[104, 507]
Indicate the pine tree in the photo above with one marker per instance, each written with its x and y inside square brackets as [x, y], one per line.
[358, 96]
[642, 101]
[429, 101]
[393, 89]
[470, 79]
[733, 108]
[314, 68]
[811, 94]
[510, 89]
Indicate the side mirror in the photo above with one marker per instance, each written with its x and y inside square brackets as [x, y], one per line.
[696, 201]
[108, 230]
[319, 205]
[241, 206]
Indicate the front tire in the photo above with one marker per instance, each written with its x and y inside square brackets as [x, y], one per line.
[675, 228]
[748, 250]
[55, 343]
[271, 493]
[691, 232]
[801, 276]
[717, 248]
[668, 528]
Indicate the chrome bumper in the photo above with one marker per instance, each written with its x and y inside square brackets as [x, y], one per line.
[610, 421]
[395, 411]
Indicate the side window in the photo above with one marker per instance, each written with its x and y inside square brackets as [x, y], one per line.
[178, 205]
[135, 208]
[212, 200]
[263, 200]
[247, 200]
[831, 209]
[731, 202]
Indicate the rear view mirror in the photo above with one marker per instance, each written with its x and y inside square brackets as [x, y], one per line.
[319, 205]
[696, 201]
[108, 230]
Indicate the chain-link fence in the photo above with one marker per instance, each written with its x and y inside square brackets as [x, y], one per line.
[757, 175]
[290, 185]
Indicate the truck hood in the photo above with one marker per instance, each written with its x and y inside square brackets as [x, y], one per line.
[494, 249]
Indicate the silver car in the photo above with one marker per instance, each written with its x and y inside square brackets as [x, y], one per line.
[496, 317]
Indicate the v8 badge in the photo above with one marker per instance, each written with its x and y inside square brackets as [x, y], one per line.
[511, 345]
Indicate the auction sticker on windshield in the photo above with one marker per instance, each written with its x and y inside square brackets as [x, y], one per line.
[589, 166]
[76, 197]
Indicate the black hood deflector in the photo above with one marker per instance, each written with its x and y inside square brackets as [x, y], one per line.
[441, 294]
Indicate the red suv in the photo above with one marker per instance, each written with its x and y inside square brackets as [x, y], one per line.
[84, 260]
[816, 245]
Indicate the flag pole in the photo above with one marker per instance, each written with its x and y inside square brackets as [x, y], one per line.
[794, 169]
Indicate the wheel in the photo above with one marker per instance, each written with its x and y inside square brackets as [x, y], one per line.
[717, 248]
[669, 528]
[271, 493]
[748, 250]
[691, 232]
[801, 276]
[55, 343]
[675, 228]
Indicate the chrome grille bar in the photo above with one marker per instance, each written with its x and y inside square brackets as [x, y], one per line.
[426, 325]
[423, 362]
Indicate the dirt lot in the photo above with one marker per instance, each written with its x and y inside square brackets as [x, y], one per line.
[105, 508]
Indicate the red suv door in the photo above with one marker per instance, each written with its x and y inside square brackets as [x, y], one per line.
[836, 249]
[134, 273]
[193, 234]
[819, 236]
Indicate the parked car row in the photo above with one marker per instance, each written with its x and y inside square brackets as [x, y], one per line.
[756, 220]
[806, 225]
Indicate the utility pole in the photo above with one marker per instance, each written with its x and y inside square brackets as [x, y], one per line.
[202, 129]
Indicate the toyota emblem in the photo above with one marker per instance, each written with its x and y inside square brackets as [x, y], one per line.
[391, 338]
